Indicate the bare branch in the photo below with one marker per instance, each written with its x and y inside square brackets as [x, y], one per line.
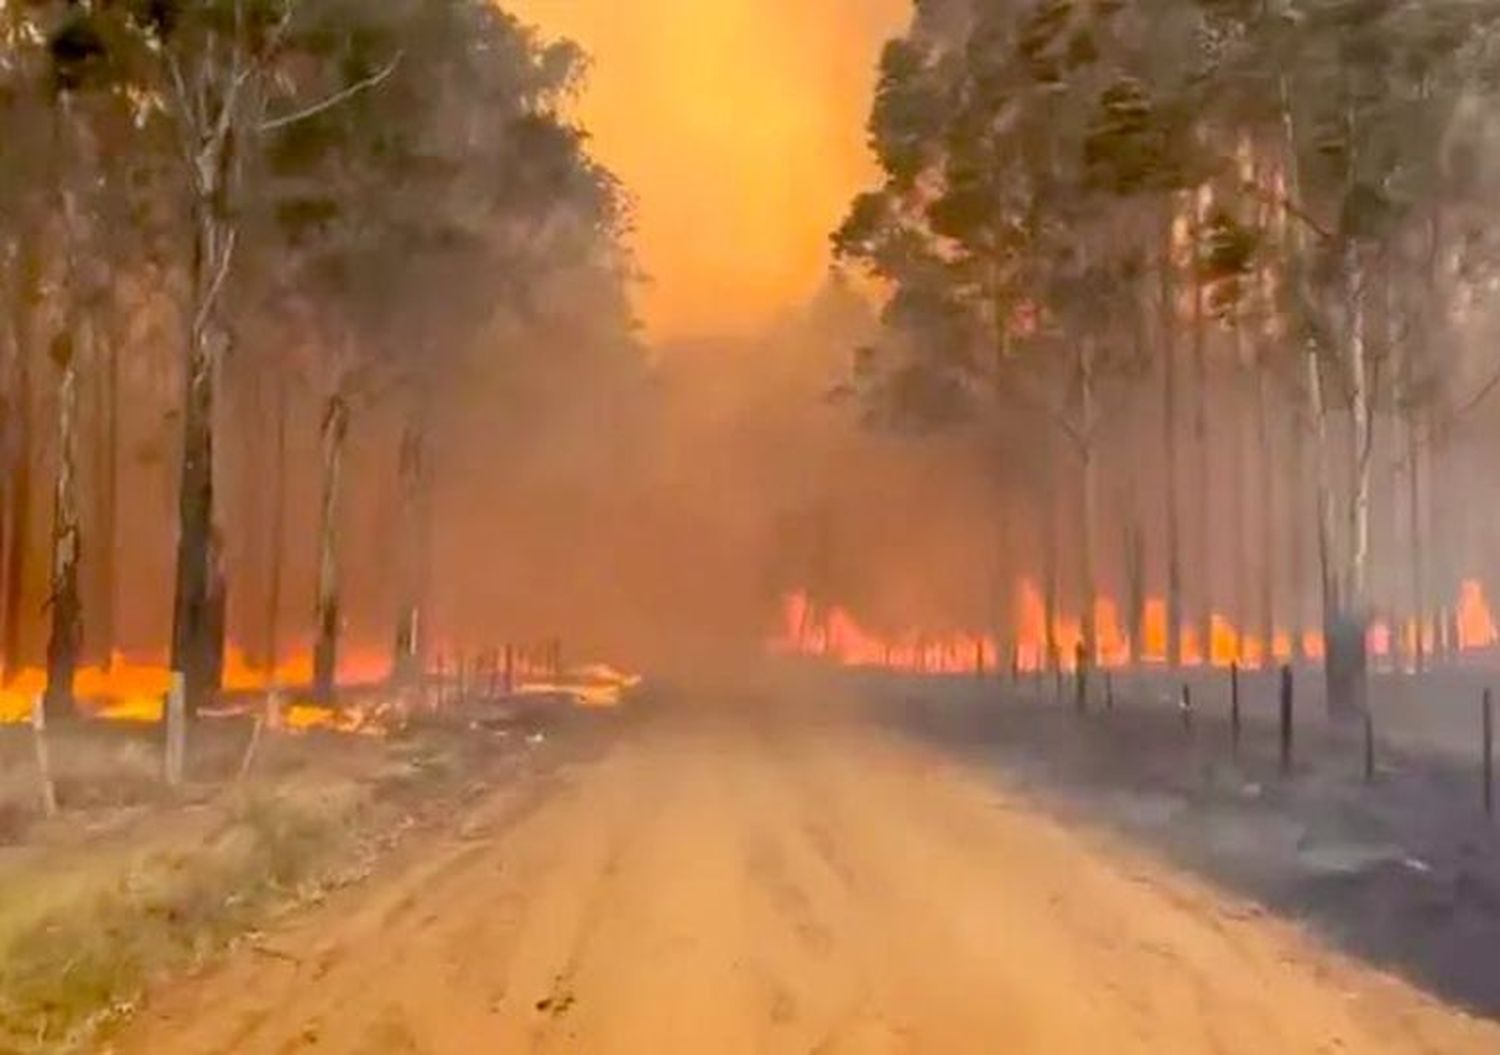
[226, 255]
[1282, 201]
[372, 81]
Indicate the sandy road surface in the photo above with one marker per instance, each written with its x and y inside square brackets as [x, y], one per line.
[716, 884]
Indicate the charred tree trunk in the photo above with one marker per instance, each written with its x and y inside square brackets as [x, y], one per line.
[1265, 473]
[1089, 504]
[1240, 470]
[107, 490]
[1168, 337]
[325, 652]
[19, 452]
[66, 637]
[197, 623]
[1202, 520]
[277, 543]
[1052, 659]
[1135, 580]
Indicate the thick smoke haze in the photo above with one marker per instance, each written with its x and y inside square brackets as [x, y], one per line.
[738, 126]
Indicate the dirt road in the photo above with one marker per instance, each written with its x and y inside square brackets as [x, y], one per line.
[741, 881]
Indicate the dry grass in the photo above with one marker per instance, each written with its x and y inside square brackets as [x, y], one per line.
[129, 884]
[78, 946]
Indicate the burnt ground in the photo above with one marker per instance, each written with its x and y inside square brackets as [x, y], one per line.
[1402, 871]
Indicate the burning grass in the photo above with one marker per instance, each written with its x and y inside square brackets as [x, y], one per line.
[834, 634]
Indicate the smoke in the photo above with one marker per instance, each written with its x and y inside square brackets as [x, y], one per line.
[738, 126]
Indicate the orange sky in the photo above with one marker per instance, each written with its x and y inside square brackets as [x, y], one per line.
[738, 125]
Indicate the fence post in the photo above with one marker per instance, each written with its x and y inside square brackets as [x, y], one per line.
[1489, 754]
[1109, 690]
[1081, 678]
[268, 715]
[1185, 706]
[176, 730]
[1234, 708]
[43, 757]
[1286, 718]
[1369, 745]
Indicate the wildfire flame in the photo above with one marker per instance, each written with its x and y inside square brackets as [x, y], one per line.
[133, 689]
[834, 634]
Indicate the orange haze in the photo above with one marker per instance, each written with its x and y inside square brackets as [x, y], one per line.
[738, 125]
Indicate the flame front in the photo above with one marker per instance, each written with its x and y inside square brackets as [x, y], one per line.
[833, 633]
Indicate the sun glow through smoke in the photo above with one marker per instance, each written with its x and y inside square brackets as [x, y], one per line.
[738, 125]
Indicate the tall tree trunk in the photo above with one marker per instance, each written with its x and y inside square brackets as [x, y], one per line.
[1203, 554]
[65, 639]
[1088, 510]
[1346, 623]
[1414, 513]
[197, 619]
[1240, 456]
[277, 544]
[407, 662]
[1266, 470]
[325, 652]
[66, 636]
[1052, 660]
[106, 488]
[1168, 337]
[18, 530]
[1322, 487]
[9, 353]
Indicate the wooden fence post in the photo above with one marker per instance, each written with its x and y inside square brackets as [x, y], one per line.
[1489, 753]
[43, 757]
[1081, 678]
[1234, 708]
[1286, 718]
[176, 715]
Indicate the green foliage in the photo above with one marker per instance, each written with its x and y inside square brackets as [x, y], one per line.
[1030, 149]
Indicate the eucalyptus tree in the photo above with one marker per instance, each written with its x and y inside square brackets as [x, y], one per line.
[1022, 157]
[415, 216]
[1288, 166]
